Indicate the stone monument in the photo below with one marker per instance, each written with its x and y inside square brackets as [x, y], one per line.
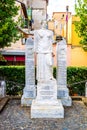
[29, 92]
[86, 89]
[62, 90]
[2, 89]
[46, 104]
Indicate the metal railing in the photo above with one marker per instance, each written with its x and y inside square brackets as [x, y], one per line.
[15, 88]
[84, 81]
[74, 87]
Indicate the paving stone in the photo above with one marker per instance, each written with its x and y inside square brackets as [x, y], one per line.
[15, 117]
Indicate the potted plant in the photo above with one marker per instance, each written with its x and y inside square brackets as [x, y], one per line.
[75, 90]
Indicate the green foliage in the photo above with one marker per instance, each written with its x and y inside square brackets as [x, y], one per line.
[15, 79]
[2, 58]
[8, 30]
[76, 75]
[81, 26]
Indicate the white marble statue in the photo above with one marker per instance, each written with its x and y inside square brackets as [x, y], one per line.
[43, 39]
[46, 104]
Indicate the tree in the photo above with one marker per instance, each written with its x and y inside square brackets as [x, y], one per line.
[8, 30]
[81, 25]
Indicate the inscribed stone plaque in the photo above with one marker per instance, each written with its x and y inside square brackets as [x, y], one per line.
[62, 90]
[30, 68]
[61, 64]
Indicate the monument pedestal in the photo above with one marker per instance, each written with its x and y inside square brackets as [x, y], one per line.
[25, 101]
[49, 109]
[63, 94]
[28, 96]
[46, 104]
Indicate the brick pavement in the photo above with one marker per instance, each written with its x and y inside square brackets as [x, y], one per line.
[15, 117]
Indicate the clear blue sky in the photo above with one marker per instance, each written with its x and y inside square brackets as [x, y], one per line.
[60, 6]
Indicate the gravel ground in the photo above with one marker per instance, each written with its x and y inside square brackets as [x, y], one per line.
[15, 117]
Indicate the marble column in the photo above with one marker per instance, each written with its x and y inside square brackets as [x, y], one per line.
[62, 90]
[29, 92]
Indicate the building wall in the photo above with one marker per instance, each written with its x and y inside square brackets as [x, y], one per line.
[69, 55]
[39, 4]
[51, 25]
[75, 39]
[58, 23]
[39, 12]
[38, 16]
[76, 56]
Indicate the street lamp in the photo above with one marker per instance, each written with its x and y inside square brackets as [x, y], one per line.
[67, 10]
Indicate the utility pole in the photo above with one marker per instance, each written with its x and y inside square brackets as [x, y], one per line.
[67, 9]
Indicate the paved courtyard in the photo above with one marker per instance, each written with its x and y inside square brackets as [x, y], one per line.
[15, 117]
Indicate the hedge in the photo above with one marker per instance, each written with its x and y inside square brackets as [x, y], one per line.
[15, 79]
[77, 75]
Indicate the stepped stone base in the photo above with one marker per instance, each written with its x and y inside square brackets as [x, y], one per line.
[63, 94]
[26, 101]
[47, 109]
[66, 101]
[28, 96]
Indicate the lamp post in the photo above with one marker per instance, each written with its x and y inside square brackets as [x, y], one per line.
[67, 9]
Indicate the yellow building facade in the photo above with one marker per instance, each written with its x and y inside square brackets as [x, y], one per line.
[76, 56]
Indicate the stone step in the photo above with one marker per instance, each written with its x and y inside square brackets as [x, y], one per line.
[78, 98]
[84, 99]
[3, 102]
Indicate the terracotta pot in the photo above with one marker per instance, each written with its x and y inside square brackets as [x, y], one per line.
[75, 94]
